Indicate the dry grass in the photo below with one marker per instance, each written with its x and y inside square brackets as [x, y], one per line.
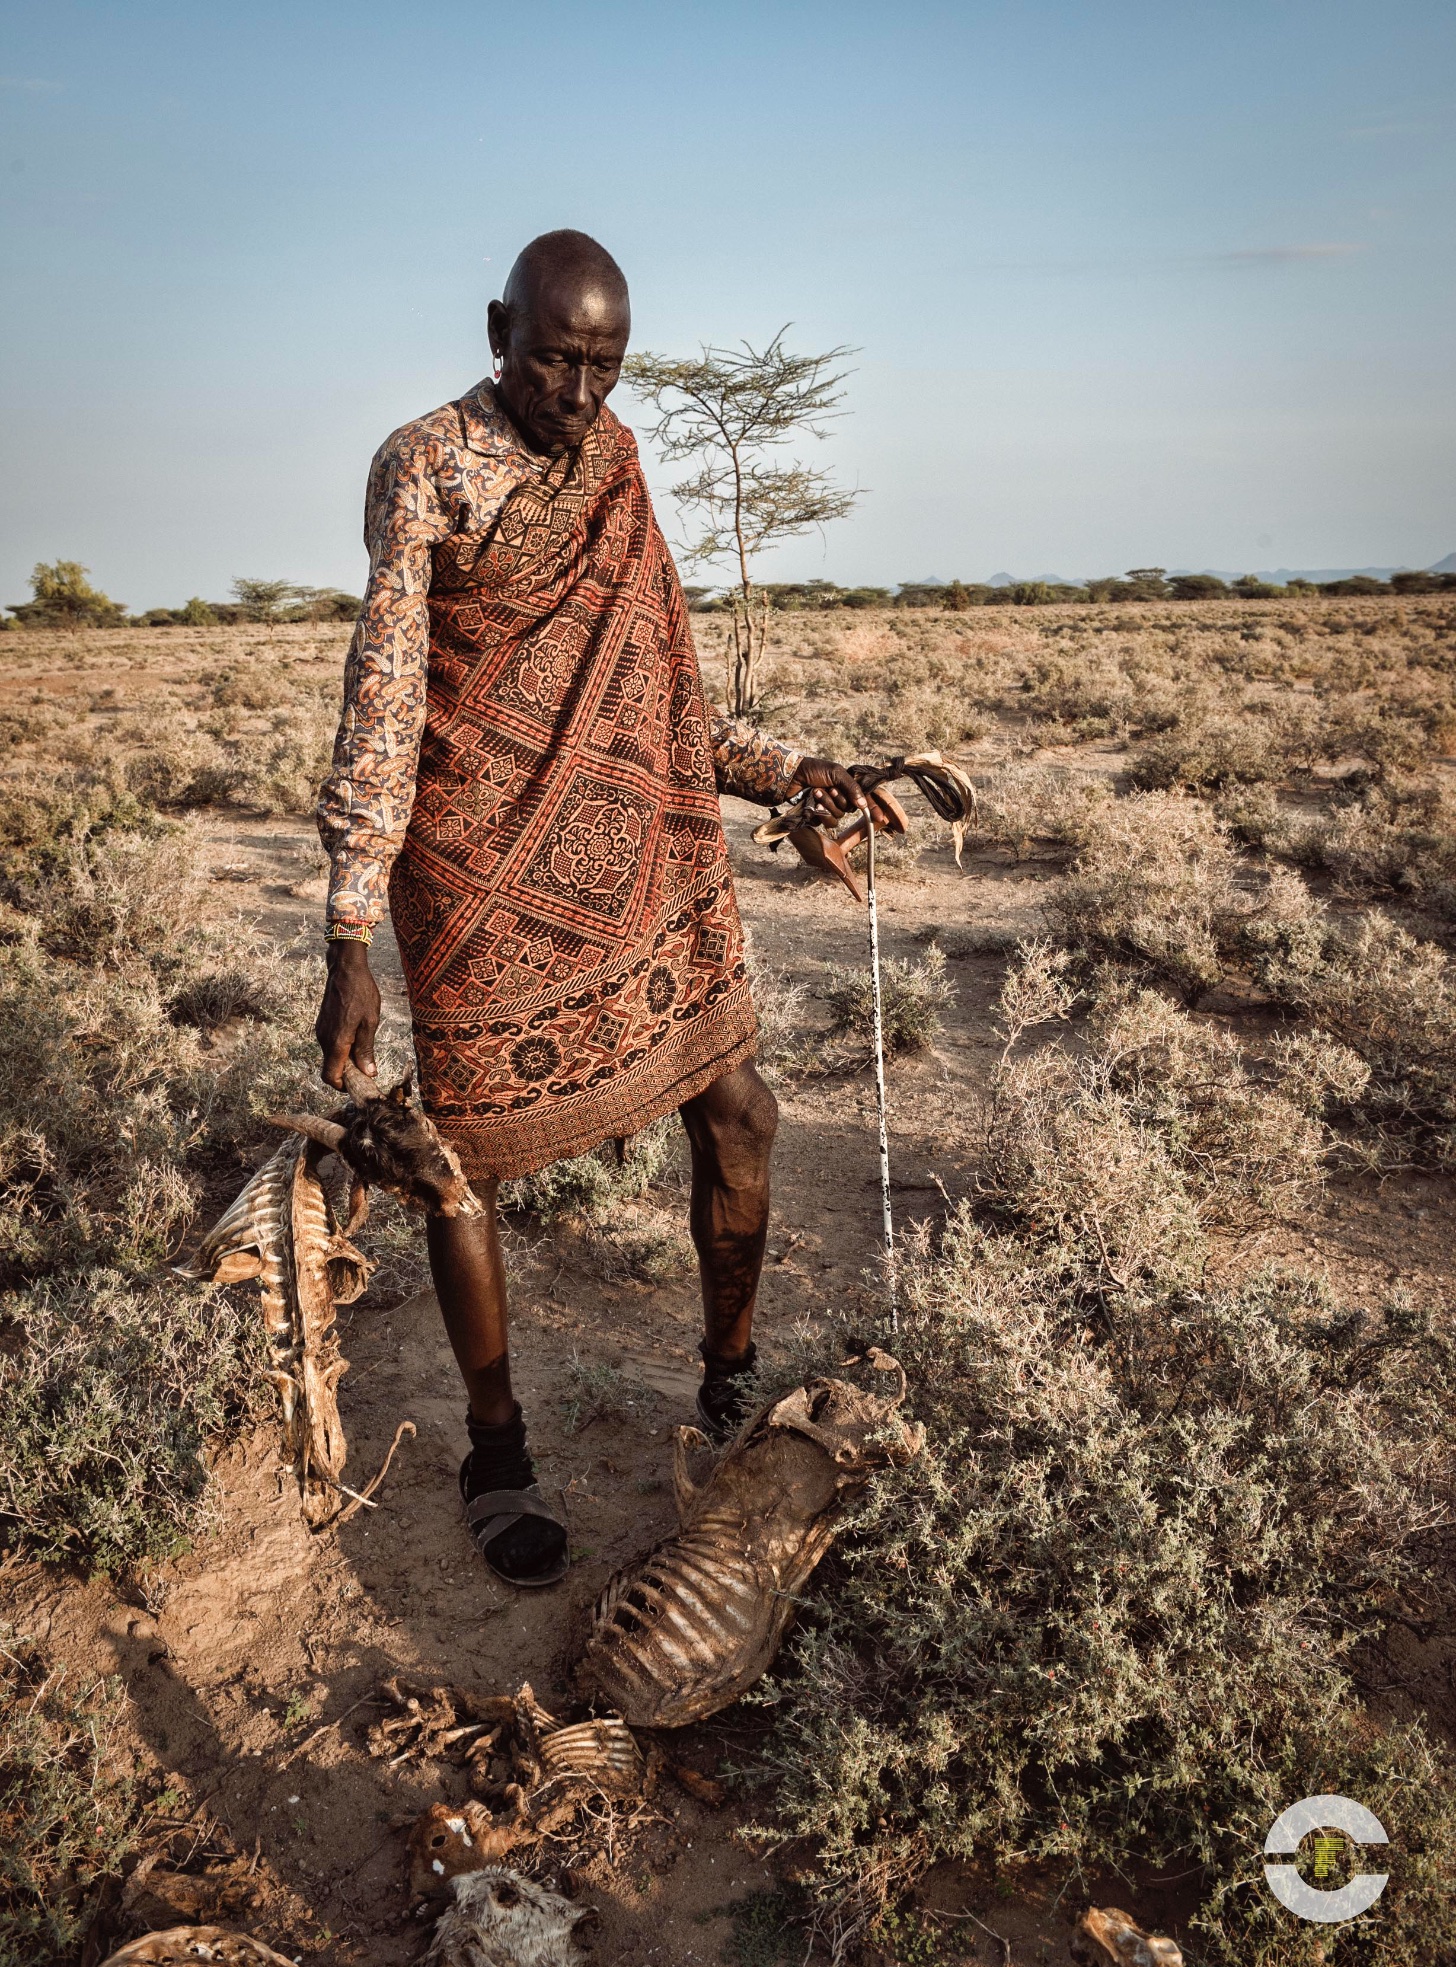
[1125, 1603]
[69, 1816]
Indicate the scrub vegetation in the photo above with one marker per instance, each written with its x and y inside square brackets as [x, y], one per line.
[1179, 1550]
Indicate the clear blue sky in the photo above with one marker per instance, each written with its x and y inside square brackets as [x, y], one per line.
[1133, 283]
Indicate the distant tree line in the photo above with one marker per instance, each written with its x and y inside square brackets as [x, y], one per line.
[1138, 584]
[61, 596]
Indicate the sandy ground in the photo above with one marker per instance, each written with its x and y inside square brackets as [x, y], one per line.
[246, 1659]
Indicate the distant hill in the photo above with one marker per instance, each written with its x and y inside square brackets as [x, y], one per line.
[1446, 566]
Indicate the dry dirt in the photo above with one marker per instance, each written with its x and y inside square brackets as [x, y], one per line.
[251, 1663]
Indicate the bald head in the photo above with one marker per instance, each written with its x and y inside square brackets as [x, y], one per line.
[566, 263]
[559, 333]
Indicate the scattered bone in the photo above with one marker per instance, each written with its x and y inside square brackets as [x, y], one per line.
[282, 1230]
[1106, 1937]
[428, 1722]
[534, 1772]
[695, 1623]
[388, 1141]
[499, 1919]
[179, 1946]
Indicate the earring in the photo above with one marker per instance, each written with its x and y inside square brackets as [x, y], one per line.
[495, 368]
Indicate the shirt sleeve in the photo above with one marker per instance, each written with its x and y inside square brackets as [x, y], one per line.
[748, 763]
[364, 806]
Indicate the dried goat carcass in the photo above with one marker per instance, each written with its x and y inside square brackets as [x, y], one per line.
[388, 1141]
[282, 1230]
[180, 1946]
[499, 1919]
[695, 1623]
[533, 1771]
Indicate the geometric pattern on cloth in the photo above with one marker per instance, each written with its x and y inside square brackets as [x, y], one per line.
[563, 901]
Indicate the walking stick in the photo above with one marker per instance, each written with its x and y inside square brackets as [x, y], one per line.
[885, 1210]
[824, 845]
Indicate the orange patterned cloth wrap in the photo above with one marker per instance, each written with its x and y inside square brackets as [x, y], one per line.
[562, 901]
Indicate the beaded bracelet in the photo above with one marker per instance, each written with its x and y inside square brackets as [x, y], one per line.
[349, 932]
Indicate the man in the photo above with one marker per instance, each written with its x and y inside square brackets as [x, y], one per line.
[526, 764]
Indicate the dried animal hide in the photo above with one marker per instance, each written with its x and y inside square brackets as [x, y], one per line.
[282, 1230]
[179, 1946]
[1108, 1938]
[388, 1141]
[223, 1891]
[500, 1919]
[446, 1842]
[534, 1770]
[695, 1623]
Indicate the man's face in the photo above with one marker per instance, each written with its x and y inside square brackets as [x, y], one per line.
[560, 357]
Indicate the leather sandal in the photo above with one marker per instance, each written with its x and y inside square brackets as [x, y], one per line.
[495, 1510]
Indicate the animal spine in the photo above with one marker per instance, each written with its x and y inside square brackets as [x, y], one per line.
[282, 1230]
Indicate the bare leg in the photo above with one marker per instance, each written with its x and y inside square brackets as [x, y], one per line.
[470, 1282]
[731, 1130]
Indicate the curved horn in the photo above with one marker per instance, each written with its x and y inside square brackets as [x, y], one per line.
[328, 1133]
[359, 1086]
[823, 852]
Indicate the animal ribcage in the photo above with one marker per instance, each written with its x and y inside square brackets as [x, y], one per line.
[697, 1612]
[602, 1753]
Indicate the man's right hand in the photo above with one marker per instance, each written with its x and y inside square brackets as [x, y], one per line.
[349, 1015]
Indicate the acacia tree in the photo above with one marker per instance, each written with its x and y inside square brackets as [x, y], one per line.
[63, 597]
[264, 600]
[724, 410]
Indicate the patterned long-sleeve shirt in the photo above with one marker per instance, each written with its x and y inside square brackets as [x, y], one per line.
[447, 473]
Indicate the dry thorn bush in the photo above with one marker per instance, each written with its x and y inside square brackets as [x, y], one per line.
[1396, 838]
[590, 1187]
[143, 1051]
[1114, 1615]
[1384, 993]
[913, 994]
[1156, 881]
[1038, 805]
[1122, 1149]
